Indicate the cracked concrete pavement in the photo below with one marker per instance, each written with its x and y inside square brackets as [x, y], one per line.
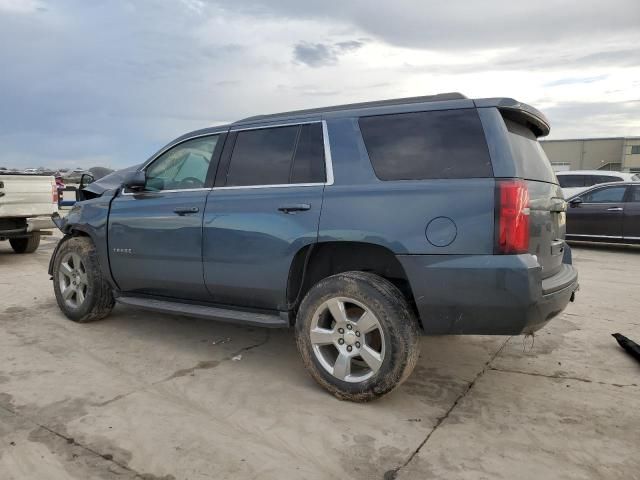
[145, 395]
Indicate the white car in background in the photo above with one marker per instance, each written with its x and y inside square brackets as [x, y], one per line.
[574, 182]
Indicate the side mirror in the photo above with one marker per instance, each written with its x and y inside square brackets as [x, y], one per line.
[85, 180]
[136, 181]
[576, 202]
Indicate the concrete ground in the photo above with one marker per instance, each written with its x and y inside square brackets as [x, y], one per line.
[143, 395]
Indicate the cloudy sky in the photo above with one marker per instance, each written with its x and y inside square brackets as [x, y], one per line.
[86, 83]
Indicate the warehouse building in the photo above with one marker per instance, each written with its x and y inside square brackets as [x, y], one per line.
[619, 154]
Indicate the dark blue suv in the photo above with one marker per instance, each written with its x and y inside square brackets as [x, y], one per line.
[363, 226]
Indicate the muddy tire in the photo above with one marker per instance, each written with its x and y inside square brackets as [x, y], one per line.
[357, 335]
[26, 245]
[81, 291]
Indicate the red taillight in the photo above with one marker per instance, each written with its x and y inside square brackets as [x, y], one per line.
[54, 192]
[512, 217]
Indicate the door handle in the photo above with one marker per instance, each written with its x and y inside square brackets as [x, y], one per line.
[614, 209]
[185, 210]
[298, 207]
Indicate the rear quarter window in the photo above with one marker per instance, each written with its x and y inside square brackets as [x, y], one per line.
[571, 181]
[607, 179]
[532, 162]
[427, 145]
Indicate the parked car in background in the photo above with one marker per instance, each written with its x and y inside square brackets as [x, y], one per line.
[607, 213]
[99, 172]
[576, 181]
[361, 225]
[26, 205]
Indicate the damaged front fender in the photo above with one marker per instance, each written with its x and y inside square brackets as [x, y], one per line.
[59, 222]
[88, 218]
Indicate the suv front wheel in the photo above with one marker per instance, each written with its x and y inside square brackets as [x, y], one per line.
[357, 335]
[81, 291]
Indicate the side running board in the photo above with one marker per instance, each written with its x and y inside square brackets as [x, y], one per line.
[203, 311]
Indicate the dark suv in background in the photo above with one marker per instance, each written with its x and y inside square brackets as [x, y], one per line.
[362, 225]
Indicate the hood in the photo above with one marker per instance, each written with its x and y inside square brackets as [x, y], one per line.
[110, 182]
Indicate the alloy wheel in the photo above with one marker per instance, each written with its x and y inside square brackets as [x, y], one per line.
[72, 277]
[347, 339]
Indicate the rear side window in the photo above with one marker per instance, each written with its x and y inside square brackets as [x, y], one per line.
[278, 156]
[635, 194]
[607, 179]
[533, 163]
[262, 157]
[571, 181]
[426, 145]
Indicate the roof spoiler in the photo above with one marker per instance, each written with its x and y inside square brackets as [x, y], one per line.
[518, 112]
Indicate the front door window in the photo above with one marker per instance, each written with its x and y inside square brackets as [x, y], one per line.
[185, 166]
[605, 195]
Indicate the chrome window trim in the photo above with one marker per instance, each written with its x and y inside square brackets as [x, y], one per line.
[328, 161]
[601, 203]
[152, 192]
[280, 185]
[275, 125]
[599, 236]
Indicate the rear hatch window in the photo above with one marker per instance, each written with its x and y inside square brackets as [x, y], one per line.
[532, 162]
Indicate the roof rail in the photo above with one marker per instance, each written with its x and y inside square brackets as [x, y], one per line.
[378, 103]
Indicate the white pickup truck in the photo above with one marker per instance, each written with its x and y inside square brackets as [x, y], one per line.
[26, 205]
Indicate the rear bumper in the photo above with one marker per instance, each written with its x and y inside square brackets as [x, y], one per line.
[486, 294]
[23, 227]
[39, 223]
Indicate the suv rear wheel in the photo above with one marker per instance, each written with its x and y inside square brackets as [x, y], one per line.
[81, 291]
[27, 244]
[357, 335]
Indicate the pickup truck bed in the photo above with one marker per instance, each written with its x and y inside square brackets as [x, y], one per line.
[26, 205]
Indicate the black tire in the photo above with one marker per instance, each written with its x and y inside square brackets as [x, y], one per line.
[397, 324]
[98, 299]
[27, 244]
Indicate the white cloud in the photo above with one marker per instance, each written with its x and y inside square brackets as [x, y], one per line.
[21, 6]
[114, 81]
